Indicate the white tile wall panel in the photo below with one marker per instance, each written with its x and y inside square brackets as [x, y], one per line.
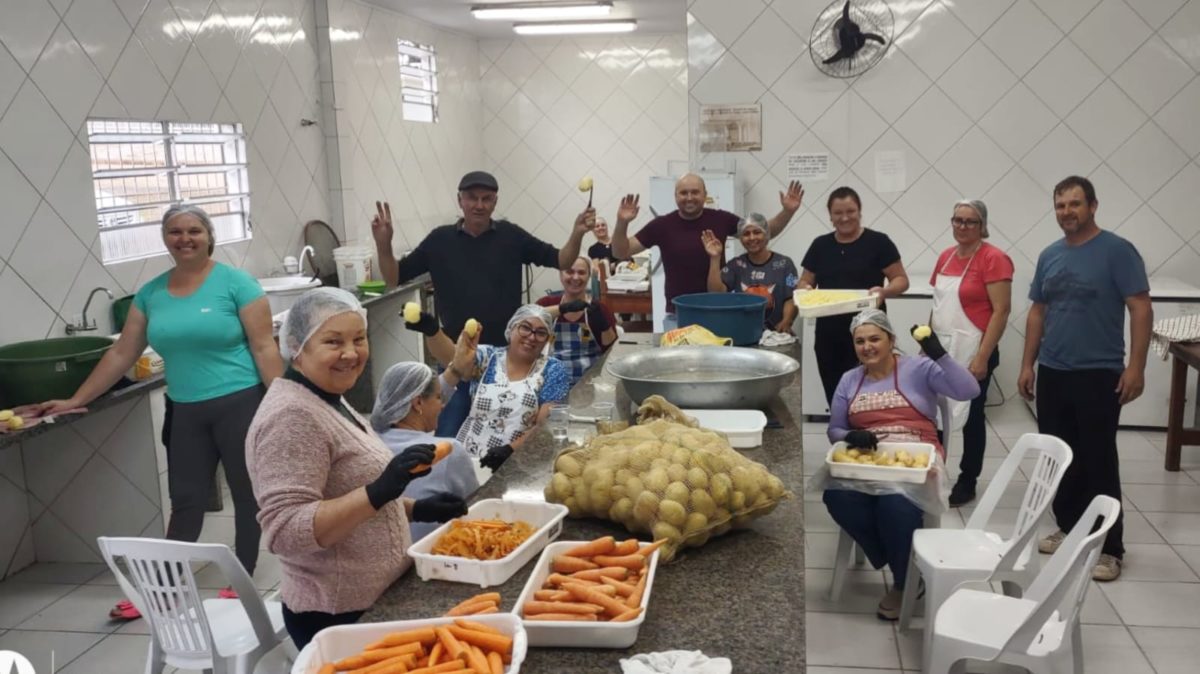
[1022, 36]
[1110, 33]
[1107, 132]
[940, 41]
[1155, 12]
[1178, 118]
[768, 46]
[1153, 74]
[1066, 13]
[976, 81]
[1063, 78]
[1148, 160]
[979, 15]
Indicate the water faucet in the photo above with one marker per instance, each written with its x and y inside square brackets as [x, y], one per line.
[84, 325]
[312, 262]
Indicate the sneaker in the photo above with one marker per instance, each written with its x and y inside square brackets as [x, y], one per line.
[1108, 568]
[1049, 544]
[124, 610]
[961, 494]
[227, 593]
[889, 606]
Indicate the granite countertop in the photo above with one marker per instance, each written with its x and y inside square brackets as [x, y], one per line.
[117, 395]
[740, 596]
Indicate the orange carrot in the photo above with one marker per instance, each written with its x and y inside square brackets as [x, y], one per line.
[495, 663]
[559, 579]
[552, 595]
[445, 667]
[493, 642]
[600, 546]
[450, 645]
[477, 660]
[628, 561]
[628, 615]
[470, 609]
[623, 589]
[565, 564]
[396, 665]
[559, 607]
[477, 626]
[493, 597]
[423, 662]
[441, 450]
[327, 669]
[618, 572]
[424, 635]
[612, 607]
[625, 547]
[435, 654]
[649, 549]
[562, 616]
[635, 600]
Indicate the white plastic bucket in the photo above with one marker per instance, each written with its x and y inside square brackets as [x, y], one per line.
[353, 265]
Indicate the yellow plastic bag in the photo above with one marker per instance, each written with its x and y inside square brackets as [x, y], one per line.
[693, 335]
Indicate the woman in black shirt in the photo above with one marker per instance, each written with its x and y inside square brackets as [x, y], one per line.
[851, 257]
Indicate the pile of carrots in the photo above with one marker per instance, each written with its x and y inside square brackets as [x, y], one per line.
[464, 647]
[480, 604]
[599, 581]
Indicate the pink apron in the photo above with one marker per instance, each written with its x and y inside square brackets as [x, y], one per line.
[890, 416]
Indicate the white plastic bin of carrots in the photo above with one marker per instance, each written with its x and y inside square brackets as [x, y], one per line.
[335, 644]
[580, 634]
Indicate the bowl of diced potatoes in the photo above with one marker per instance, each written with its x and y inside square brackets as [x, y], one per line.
[890, 462]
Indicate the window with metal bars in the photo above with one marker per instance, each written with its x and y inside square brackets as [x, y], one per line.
[140, 168]
[418, 81]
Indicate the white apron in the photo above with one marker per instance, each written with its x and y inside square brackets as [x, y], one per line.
[502, 410]
[954, 328]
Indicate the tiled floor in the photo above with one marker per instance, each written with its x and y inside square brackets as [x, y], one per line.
[1146, 622]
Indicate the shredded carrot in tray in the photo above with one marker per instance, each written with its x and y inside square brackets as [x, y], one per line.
[482, 539]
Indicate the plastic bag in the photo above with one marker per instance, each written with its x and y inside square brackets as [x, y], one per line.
[666, 478]
[693, 335]
[931, 496]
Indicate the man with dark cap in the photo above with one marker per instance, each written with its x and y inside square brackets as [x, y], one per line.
[476, 263]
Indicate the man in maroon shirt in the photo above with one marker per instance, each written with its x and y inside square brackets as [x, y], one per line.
[677, 234]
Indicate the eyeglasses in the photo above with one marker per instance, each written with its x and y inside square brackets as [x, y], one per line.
[540, 334]
[964, 223]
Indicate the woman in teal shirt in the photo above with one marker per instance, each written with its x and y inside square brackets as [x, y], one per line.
[211, 325]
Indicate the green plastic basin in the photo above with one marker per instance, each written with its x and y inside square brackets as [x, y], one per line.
[47, 369]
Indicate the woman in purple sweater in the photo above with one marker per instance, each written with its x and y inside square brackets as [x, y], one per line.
[893, 398]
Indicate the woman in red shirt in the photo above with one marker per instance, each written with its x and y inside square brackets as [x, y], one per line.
[972, 297]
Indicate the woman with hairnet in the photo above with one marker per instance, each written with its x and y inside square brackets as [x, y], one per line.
[893, 398]
[512, 387]
[406, 413]
[759, 271]
[329, 491]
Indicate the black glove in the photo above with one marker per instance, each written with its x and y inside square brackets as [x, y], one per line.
[427, 325]
[572, 306]
[496, 456]
[931, 345]
[391, 482]
[439, 508]
[597, 318]
[861, 440]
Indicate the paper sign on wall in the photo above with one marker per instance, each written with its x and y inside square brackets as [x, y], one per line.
[810, 166]
[891, 173]
[731, 128]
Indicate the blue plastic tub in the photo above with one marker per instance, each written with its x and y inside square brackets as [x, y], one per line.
[738, 316]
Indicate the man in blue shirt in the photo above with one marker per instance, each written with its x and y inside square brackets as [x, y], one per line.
[1081, 289]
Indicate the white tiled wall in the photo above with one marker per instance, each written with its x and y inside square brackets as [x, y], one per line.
[245, 61]
[556, 110]
[415, 166]
[992, 99]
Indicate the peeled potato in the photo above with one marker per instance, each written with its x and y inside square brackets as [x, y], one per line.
[412, 312]
[5, 415]
[16, 423]
[471, 327]
[922, 332]
[585, 184]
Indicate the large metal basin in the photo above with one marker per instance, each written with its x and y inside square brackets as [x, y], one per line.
[705, 377]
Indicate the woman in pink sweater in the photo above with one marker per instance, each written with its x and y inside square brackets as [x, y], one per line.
[328, 489]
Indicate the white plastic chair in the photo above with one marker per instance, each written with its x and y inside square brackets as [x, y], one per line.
[848, 552]
[1039, 631]
[220, 635]
[946, 558]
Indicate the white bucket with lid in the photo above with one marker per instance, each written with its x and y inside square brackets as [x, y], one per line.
[353, 265]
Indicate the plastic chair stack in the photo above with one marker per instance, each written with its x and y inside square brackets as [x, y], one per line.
[1039, 631]
[219, 635]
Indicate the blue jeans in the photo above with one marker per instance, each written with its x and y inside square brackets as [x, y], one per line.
[882, 526]
[455, 411]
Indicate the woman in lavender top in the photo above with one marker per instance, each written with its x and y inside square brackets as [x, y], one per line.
[894, 398]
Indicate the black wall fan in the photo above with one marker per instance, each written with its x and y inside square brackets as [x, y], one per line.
[850, 37]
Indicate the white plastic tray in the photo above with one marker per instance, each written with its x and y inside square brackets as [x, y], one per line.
[859, 471]
[865, 301]
[579, 634]
[334, 643]
[546, 518]
[744, 428]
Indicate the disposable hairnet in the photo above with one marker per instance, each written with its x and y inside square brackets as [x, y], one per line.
[981, 209]
[401, 384]
[872, 317]
[310, 312]
[527, 311]
[754, 220]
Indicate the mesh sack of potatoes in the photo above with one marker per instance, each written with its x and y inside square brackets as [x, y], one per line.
[665, 478]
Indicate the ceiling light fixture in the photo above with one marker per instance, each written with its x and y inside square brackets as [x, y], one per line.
[527, 11]
[575, 27]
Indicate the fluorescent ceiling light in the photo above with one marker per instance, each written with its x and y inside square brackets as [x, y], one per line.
[575, 27]
[532, 11]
